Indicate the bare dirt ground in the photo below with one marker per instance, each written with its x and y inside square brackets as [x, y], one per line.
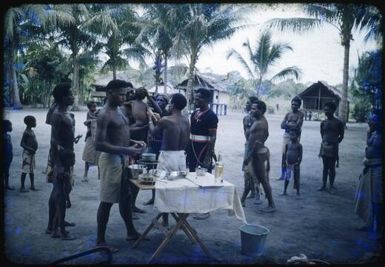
[320, 225]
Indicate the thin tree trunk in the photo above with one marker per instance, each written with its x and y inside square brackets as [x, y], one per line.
[259, 85]
[14, 86]
[189, 89]
[165, 74]
[343, 106]
[75, 83]
[114, 72]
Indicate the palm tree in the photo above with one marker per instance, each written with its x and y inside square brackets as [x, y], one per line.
[201, 25]
[261, 58]
[18, 23]
[343, 17]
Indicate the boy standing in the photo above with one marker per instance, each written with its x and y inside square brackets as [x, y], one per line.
[293, 158]
[29, 145]
[7, 127]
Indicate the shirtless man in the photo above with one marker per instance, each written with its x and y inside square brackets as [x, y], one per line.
[332, 132]
[113, 140]
[256, 152]
[292, 121]
[139, 130]
[63, 159]
[175, 130]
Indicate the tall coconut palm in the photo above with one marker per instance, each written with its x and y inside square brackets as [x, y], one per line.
[343, 17]
[261, 58]
[202, 25]
[16, 24]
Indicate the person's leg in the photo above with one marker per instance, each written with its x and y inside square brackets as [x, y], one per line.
[22, 187]
[252, 188]
[32, 179]
[67, 197]
[86, 168]
[125, 209]
[285, 187]
[103, 215]
[151, 201]
[6, 177]
[51, 212]
[246, 187]
[260, 171]
[283, 167]
[325, 171]
[296, 178]
[332, 171]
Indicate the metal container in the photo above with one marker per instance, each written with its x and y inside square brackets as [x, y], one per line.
[136, 169]
[148, 157]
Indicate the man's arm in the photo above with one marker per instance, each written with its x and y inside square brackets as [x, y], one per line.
[283, 123]
[341, 132]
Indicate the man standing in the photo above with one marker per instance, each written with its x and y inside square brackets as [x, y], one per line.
[257, 155]
[63, 159]
[293, 121]
[332, 133]
[204, 123]
[175, 130]
[113, 140]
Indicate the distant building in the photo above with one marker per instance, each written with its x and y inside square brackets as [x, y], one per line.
[219, 96]
[316, 95]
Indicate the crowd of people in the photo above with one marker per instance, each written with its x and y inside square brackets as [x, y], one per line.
[132, 121]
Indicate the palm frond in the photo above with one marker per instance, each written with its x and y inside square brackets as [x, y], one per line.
[294, 24]
[293, 71]
[241, 60]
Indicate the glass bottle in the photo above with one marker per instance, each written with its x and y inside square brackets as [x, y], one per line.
[218, 171]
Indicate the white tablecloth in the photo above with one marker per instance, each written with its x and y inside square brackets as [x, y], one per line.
[186, 196]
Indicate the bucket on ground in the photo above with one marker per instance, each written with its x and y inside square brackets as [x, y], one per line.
[253, 239]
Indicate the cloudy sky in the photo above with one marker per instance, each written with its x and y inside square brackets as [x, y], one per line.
[318, 53]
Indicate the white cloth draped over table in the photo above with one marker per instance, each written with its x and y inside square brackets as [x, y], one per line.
[197, 194]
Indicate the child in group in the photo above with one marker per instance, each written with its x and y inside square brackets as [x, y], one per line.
[293, 158]
[29, 145]
[90, 155]
[8, 154]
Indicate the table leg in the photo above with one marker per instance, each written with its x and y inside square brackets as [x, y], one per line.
[185, 229]
[142, 236]
[194, 234]
[168, 236]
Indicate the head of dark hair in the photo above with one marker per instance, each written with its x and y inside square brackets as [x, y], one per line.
[60, 91]
[116, 84]
[297, 99]
[164, 97]
[7, 125]
[90, 104]
[331, 105]
[261, 106]
[205, 93]
[28, 120]
[179, 101]
[253, 99]
[140, 93]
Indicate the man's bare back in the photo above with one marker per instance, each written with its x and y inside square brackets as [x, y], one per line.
[176, 129]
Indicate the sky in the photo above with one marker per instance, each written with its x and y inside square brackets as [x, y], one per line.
[318, 53]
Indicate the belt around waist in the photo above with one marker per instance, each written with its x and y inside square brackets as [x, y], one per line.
[199, 138]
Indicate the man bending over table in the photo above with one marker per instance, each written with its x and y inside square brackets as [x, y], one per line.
[175, 130]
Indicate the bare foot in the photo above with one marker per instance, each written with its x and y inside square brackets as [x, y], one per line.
[23, 190]
[322, 188]
[283, 194]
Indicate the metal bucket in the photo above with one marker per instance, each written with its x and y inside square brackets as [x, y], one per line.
[253, 239]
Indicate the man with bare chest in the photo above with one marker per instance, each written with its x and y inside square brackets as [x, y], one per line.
[332, 132]
[257, 155]
[292, 121]
[113, 140]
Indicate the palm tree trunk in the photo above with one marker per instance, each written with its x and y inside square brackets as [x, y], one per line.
[189, 89]
[13, 82]
[165, 74]
[343, 116]
[259, 85]
[114, 72]
[75, 83]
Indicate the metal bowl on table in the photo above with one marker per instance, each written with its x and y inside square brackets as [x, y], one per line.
[136, 170]
[148, 157]
[177, 175]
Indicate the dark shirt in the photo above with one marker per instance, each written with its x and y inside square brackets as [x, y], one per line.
[374, 145]
[202, 122]
[28, 141]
